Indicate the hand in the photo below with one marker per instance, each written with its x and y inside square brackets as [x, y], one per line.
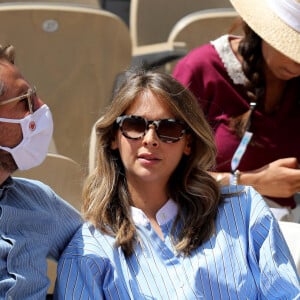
[280, 178]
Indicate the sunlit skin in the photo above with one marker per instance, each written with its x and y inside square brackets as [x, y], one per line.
[282, 67]
[11, 134]
[149, 162]
[278, 70]
[277, 65]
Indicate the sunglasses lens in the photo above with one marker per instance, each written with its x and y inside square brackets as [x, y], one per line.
[170, 130]
[133, 127]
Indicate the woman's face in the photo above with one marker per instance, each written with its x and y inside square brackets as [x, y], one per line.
[280, 66]
[149, 159]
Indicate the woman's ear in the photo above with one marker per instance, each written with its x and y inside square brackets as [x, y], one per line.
[114, 144]
[188, 145]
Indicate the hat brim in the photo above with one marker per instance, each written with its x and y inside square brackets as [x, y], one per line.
[262, 20]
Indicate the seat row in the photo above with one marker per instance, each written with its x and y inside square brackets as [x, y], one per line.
[73, 54]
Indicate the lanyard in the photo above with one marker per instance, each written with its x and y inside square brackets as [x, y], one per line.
[239, 152]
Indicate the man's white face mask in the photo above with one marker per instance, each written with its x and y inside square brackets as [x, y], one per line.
[37, 129]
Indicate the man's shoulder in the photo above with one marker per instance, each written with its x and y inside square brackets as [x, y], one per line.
[34, 193]
[30, 188]
[32, 184]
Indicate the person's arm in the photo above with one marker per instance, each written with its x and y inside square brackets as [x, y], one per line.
[78, 278]
[280, 178]
[66, 222]
[268, 254]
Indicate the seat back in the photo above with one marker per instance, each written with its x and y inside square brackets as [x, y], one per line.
[85, 3]
[151, 21]
[93, 149]
[62, 174]
[291, 233]
[201, 27]
[72, 55]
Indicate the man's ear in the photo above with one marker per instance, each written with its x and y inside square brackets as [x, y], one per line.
[188, 145]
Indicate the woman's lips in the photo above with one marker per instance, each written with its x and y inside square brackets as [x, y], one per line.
[148, 157]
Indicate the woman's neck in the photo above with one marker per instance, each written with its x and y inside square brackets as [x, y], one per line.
[148, 197]
[274, 92]
[234, 44]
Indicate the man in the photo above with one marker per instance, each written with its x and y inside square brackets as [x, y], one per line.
[34, 222]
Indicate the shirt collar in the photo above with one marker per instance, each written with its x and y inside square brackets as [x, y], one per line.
[163, 216]
[230, 61]
[6, 184]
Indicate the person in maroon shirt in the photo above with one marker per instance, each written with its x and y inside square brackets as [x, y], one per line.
[249, 88]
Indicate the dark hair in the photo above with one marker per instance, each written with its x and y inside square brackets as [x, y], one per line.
[252, 66]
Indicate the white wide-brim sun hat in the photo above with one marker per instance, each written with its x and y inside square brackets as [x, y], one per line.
[276, 21]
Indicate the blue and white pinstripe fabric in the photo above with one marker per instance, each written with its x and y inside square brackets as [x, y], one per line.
[246, 258]
[35, 223]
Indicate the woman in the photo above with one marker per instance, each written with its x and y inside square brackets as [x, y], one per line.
[249, 89]
[158, 225]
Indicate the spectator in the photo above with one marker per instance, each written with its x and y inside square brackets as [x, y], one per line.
[35, 223]
[158, 225]
[249, 90]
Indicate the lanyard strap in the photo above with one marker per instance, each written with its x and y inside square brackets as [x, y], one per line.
[239, 152]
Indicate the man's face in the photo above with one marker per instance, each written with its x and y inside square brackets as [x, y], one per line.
[12, 85]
